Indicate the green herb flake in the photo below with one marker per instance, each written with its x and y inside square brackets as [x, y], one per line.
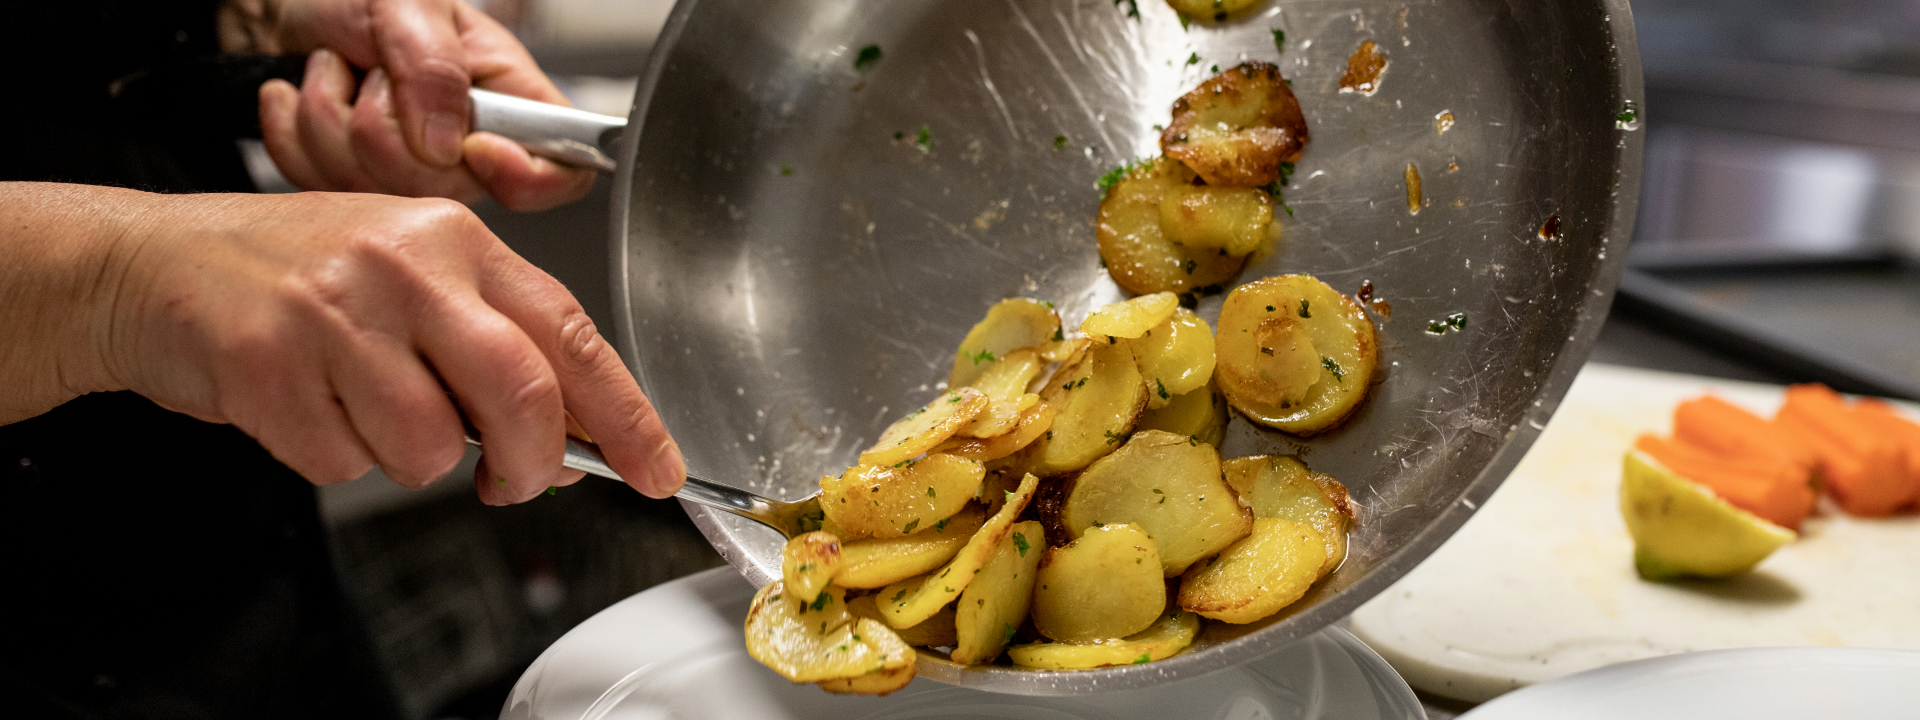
[1450, 323]
[786, 170]
[1303, 309]
[1144, 658]
[1059, 143]
[930, 492]
[1114, 176]
[1627, 114]
[1059, 334]
[925, 140]
[1113, 437]
[868, 56]
[1279, 40]
[940, 527]
[1020, 541]
[1184, 21]
[1269, 308]
[1006, 635]
[1162, 389]
[553, 490]
[1215, 69]
[821, 602]
[1193, 59]
[1009, 495]
[911, 525]
[1193, 440]
[1339, 373]
[898, 595]
[1190, 266]
[1133, 7]
[983, 356]
[856, 637]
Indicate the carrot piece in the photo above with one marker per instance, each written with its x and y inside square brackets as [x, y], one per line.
[1864, 471]
[1892, 424]
[1774, 490]
[1729, 430]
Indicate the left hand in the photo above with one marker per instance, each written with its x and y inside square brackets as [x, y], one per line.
[405, 129]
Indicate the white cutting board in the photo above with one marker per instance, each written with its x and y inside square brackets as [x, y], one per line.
[1540, 582]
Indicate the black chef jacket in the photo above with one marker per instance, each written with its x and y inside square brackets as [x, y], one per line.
[155, 566]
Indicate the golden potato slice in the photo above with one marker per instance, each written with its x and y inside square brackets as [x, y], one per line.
[1256, 577]
[883, 561]
[1236, 128]
[1107, 584]
[910, 602]
[882, 682]
[1010, 324]
[1167, 485]
[1200, 414]
[999, 485]
[1100, 395]
[995, 604]
[1059, 350]
[1236, 220]
[1175, 356]
[813, 641]
[922, 429]
[1034, 422]
[1269, 329]
[808, 562]
[936, 631]
[1137, 254]
[1277, 486]
[888, 501]
[1166, 637]
[1210, 9]
[1005, 383]
[1130, 318]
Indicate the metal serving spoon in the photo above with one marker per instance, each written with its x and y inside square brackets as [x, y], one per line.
[787, 518]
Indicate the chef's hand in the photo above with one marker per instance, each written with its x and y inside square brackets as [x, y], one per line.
[333, 328]
[404, 129]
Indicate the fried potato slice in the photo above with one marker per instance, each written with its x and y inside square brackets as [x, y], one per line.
[1210, 9]
[1167, 485]
[1169, 635]
[813, 641]
[880, 562]
[910, 602]
[936, 631]
[1010, 324]
[1174, 356]
[1270, 330]
[995, 604]
[888, 502]
[1033, 423]
[882, 682]
[1005, 383]
[922, 429]
[999, 485]
[1137, 253]
[1236, 128]
[1236, 220]
[1106, 584]
[808, 562]
[1100, 394]
[1200, 414]
[1256, 577]
[1277, 486]
[1130, 318]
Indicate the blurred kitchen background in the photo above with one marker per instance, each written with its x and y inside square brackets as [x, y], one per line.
[1778, 230]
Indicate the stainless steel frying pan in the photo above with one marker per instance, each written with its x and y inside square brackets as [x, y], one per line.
[795, 260]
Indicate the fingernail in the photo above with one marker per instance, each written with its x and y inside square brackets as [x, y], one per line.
[444, 132]
[668, 469]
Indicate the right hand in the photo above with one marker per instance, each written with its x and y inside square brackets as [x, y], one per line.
[343, 330]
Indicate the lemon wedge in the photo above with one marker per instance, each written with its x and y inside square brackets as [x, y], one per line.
[1681, 529]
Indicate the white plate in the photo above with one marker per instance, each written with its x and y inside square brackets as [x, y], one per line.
[1788, 683]
[676, 651]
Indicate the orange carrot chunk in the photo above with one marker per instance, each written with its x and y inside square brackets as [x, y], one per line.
[1729, 430]
[1774, 490]
[1898, 428]
[1864, 471]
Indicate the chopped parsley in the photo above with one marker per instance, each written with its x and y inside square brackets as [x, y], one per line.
[1190, 266]
[1059, 334]
[786, 170]
[1006, 636]
[1118, 173]
[1193, 59]
[821, 602]
[1143, 659]
[1059, 143]
[1627, 114]
[1193, 440]
[898, 595]
[1020, 541]
[1339, 373]
[1162, 388]
[1133, 7]
[1279, 40]
[939, 527]
[1303, 309]
[1269, 308]
[983, 356]
[551, 490]
[911, 525]
[1215, 69]
[925, 140]
[930, 492]
[868, 56]
[1456, 321]
[1113, 437]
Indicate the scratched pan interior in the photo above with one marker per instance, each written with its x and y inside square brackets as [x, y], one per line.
[793, 270]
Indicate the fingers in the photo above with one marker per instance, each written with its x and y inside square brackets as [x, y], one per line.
[419, 44]
[376, 142]
[277, 393]
[398, 408]
[280, 132]
[520, 181]
[599, 391]
[325, 116]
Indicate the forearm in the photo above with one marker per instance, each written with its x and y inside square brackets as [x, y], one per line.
[57, 273]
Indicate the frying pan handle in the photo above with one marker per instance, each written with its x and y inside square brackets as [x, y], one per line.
[575, 137]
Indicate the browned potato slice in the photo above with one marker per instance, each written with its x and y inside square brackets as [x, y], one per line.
[1256, 577]
[808, 562]
[1236, 128]
[883, 561]
[1167, 485]
[1175, 356]
[887, 502]
[812, 641]
[1200, 414]
[995, 604]
[999, 485]
[1171, 634]
[1210, 9]
[1237, 220]
[1005, 383]
[1281, 487]
[922, 429]
[1033, 423]
[882, 682]
[1100, 394]
[1130, 318]
[1107, 584]
[1010, 324]
[910, 602]
[936, 631]
[1138, 255]
[1270, 329]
